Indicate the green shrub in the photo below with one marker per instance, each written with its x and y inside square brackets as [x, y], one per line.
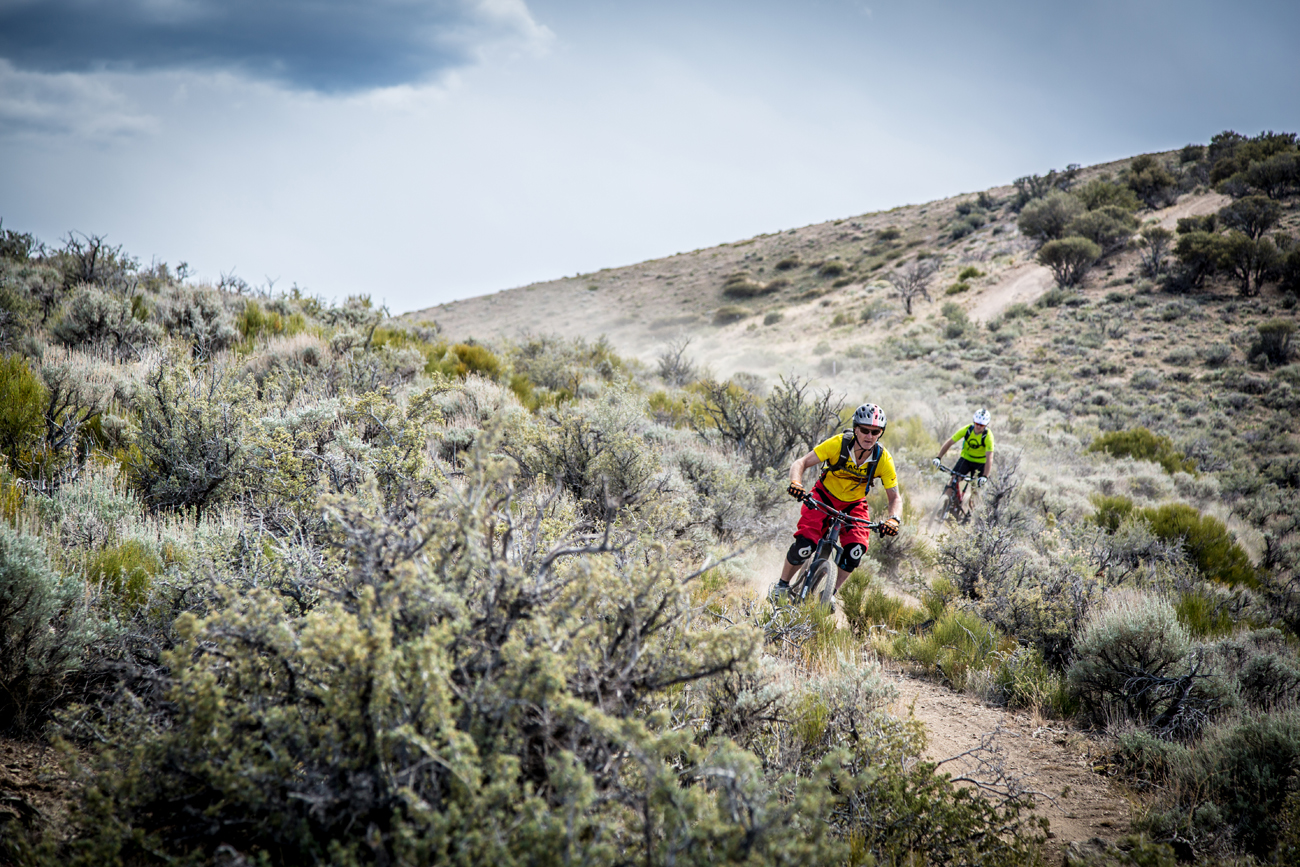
[889, 233]
[1046, 219]
[741, 285]
[833, 268]
[22, 410]
[99, 320]
[1231, 790]
[1101, 193]
[772, 317]
[970, 272]
[958, 643]
[462, 359]
[126, 570]
[1204, 615]
[1199, 253]
[867, 606]
[1151, 181]
[1024, 679]
[1145, 380]
[958, 322]
[187, 454]
[957, 288]
[1124, 648]
[197, 315]
[1109, 227]
[1274, 343]
[788, 262]
[1216, 354]
[1207, 541]
[44, 634]
[1143, 445]
[1069, 259]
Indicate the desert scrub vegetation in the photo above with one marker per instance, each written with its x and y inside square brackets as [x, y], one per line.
[456, 601]
[335, 590]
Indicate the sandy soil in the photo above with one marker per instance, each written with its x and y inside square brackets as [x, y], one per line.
[1048, 756]
[1021, 284]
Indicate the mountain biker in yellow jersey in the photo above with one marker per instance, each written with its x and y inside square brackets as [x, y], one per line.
[976, 448]
[851, 462]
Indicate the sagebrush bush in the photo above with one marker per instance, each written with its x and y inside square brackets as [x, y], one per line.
[197, 315]
[45, 632]
[1227, 795]
[1125, 648]
[101, 321]
[186, 455]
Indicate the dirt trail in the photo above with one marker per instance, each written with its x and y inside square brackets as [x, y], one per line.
[1022, 284]
[1048, 755]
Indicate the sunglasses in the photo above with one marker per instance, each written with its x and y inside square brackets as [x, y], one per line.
[871, 431]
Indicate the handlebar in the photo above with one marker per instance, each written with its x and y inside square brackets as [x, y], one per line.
[970, 477]
[810, 500]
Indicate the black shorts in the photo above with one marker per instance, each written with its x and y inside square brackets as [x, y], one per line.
[965, 467]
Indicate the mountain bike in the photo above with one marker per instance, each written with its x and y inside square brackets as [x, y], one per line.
[955, 503]
[816, 578]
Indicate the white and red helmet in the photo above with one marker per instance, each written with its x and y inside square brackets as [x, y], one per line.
[869, 414]
[982, 417]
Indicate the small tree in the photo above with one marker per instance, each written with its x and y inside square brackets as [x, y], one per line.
[190, 441]
[1289, 274]
[1046, 219]
[1252, 216]
[1152, 182]
[1109, 227]
[1153, 248]
[1250, 261]
[1069, 259]
[1199, 253]
[1275, 177]
[913, 280]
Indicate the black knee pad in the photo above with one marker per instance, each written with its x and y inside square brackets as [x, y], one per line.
[851, 556]
[800, 551]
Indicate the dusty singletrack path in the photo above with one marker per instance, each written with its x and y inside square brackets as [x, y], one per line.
[1049, 756]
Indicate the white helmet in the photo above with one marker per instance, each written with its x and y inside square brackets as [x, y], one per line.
[869, 414]
[982, 416]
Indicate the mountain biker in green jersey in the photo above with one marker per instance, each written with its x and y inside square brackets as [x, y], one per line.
[976, 448]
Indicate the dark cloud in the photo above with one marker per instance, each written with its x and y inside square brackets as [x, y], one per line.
[323, 45]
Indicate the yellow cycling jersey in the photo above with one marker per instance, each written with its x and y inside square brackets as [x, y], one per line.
[850, 482]
[975, 448]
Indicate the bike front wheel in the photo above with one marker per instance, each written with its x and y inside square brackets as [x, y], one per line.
[819, 578]
[826, 584]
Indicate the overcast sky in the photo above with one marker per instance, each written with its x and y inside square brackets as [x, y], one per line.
[424, 150]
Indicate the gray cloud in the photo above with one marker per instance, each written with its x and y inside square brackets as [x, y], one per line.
[330, 46]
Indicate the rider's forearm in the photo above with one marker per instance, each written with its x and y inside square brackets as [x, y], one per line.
[947, 444]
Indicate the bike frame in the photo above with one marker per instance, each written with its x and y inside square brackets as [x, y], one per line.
[954, 493]
[827, 552]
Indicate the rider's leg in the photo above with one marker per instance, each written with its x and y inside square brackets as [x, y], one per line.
[801, 549]
[850, 557]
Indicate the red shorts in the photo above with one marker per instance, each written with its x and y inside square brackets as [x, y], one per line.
[812, 522]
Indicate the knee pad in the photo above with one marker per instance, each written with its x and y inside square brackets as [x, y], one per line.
[800, 551]
[851, 556]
